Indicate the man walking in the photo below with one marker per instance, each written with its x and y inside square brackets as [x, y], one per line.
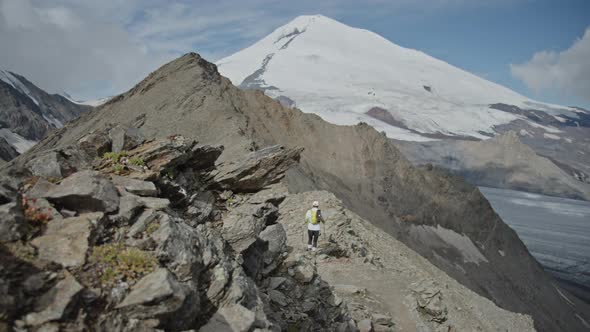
[313, 218]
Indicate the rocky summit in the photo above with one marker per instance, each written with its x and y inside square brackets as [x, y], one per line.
[121, 221]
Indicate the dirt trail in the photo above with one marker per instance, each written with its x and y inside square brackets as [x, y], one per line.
[375, 275]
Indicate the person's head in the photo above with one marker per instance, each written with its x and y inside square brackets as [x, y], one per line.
[316, 204]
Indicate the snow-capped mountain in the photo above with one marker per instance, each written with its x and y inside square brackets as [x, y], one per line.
[27, 113]
[347, 75]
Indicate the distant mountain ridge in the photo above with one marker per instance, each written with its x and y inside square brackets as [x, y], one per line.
[28, 113]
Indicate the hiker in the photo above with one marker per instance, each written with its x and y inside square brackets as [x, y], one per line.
[313, 217]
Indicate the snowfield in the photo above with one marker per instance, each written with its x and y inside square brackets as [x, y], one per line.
[340, 72]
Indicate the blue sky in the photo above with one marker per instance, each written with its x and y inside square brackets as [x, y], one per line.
[96, 48]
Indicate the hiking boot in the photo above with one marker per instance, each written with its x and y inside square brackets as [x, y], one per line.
[309, 247]
[314, 249]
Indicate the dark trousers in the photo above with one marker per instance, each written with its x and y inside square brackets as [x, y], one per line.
[312, 237]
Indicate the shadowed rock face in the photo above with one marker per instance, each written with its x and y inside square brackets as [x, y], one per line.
[435, 214]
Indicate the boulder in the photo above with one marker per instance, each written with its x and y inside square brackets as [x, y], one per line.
[157, 293]
[242, 226]
[12, 223]
[304, 273]
[48, 165]
[235, 318]
[125, 138]
[95, 144]
[66, 241]
[276, 237]
[155, 203]
[380, 319]
[200, 207]
[179, 245]
[278, 297]
[137, 187]
[129, 206]
[55, 302]
[144, 219]
[257, 170]
[365, 325]
[85, 191]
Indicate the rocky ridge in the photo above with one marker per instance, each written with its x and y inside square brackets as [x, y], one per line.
[439, 216]
[158, 237]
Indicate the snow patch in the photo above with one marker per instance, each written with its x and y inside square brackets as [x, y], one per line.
[19, 143]
[53, 121]
[501, 253]
[443, 237]
[546, 128]
[328, 68]
[551, 136]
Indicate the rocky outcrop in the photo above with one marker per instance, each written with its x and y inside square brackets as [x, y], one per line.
[109, 252]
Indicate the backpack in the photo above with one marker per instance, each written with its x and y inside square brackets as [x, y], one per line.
[315, 216]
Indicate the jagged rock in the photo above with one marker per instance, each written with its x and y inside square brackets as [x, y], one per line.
[242, 226]
[144, 219]
[278, 297]
[155, 203]
[258, 169]
[47, 165]
[276, 237]
[178, 245]
[129, 206]
[176, 150]
[304, 272]
[429, 301]
[55, 302]
[158, 293]
[275, 282]
[201, 207]
[66, 241]
[365, 325]
[124, 139]
[137, 187]
[219, 280]
[234, 318]
[85, 191]
[95, 144]
[12, 222]
[37, 282]
[8, 189]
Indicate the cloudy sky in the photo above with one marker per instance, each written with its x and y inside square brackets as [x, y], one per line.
[91, 49]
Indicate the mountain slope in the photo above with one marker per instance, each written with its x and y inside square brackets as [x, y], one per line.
[27, 113]
[444, 219]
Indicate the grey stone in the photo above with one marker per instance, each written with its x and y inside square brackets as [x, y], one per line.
[129, 206]
[12, 223]
[275, 282]
[95, 144]
[258, 169]
[155, 294]
[201, 206]
[276, 237]
[242, 226]
[278, 297]
[85, 191]
[57, 300]
[125, 138]
[155, 203]
[137, 187]
[234, 318]
[47, 165]
[143, 221]
[66, 241]
[365, 325]
[304, 273]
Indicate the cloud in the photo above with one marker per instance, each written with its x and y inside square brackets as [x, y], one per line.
[567, 71]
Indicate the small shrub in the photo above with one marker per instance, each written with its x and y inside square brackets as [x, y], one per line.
[35, 215]
[117, 262]
[137, 161]
[114, 157]
[118, 168]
